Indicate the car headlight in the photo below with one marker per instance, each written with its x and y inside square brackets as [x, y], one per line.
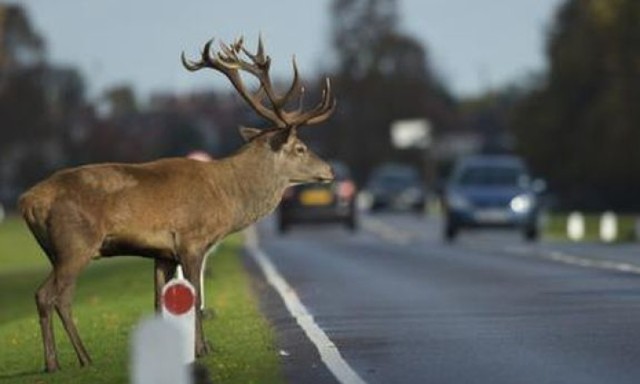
[458, 201]
[522, 203]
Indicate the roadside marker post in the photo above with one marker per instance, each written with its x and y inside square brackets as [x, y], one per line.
[608, 227]
[156, 354]
[178, 308]
[575, 226]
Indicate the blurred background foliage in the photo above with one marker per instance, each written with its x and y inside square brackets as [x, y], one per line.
[580, 125]
[577, 124]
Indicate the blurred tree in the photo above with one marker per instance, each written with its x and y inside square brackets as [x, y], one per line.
[581, 126]
[38, 105]
[381, 75]
[20, 45]
[121, 100]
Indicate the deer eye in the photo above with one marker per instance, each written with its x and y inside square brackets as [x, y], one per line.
[300, 150]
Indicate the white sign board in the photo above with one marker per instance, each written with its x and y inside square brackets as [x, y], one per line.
[415, 133]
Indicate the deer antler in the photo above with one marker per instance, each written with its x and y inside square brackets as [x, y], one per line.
[229, 61]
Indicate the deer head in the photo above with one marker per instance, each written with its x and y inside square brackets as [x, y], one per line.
[280, 143]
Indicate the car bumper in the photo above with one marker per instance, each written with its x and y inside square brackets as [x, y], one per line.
[495, 217]
[311, 214]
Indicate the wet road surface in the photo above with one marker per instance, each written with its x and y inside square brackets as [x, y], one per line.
[402, 306]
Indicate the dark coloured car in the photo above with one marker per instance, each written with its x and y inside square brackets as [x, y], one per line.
[396, 186]
[491, 191]
[333, 202]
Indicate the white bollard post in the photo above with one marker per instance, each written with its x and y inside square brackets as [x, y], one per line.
[156, 354]
[178, 308]
[608, 227]
[209, 253]
[575, 226]
[2, 214]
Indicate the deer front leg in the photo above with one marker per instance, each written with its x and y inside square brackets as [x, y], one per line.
[192, 270]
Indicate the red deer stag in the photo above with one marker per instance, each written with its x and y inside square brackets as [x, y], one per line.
[172, 210]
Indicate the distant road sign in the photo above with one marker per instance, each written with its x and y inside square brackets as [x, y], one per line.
[414, 133]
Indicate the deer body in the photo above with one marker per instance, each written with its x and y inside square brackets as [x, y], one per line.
[171, 210]
[155, 209]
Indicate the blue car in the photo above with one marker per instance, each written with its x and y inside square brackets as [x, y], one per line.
[492, 191]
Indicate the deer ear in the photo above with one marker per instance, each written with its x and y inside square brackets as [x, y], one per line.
[280, 138]
[249, 134]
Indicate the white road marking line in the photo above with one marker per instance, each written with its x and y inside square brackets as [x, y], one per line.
[580, 261]
[329, 353]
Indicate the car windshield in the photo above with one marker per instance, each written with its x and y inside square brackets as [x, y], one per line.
[491, 176]
[395, 177]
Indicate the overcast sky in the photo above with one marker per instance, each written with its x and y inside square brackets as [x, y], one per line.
[474, 44]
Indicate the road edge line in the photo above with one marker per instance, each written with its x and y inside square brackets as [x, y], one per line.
[329, 353]
[580, 261]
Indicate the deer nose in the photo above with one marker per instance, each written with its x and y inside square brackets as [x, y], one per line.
[332, 174]
[327, 174]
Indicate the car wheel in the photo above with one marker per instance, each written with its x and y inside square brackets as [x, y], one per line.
[351, 222]
[451, 232]
[531, 233]
[283, 225]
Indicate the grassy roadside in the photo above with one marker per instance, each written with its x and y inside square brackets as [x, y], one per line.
[556, 227]
[112, 296]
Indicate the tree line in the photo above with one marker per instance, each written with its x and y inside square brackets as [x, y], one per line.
[579, 126]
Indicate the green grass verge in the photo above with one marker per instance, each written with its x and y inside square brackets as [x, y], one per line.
[556, 227]
[111, 297]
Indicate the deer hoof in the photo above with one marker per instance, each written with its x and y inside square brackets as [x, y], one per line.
[203, 349]
[52, 367]
[208, 313]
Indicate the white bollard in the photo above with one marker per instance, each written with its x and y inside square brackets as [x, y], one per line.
[575, 226]
[178, 308]
[2, 214]
[156, 354]
[608, 227]
[209, 253]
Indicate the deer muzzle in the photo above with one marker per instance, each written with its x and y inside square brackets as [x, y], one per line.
[326, 174]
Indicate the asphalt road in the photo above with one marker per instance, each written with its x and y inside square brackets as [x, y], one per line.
[402, 306]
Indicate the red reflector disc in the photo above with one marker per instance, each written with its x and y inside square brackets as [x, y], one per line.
[178, 299]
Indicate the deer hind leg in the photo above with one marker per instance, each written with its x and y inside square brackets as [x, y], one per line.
[57, 292]
[45, 297]
[66, 283]
[164, 270]
[74, 241]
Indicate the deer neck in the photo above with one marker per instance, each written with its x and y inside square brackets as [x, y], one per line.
[257, 185]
